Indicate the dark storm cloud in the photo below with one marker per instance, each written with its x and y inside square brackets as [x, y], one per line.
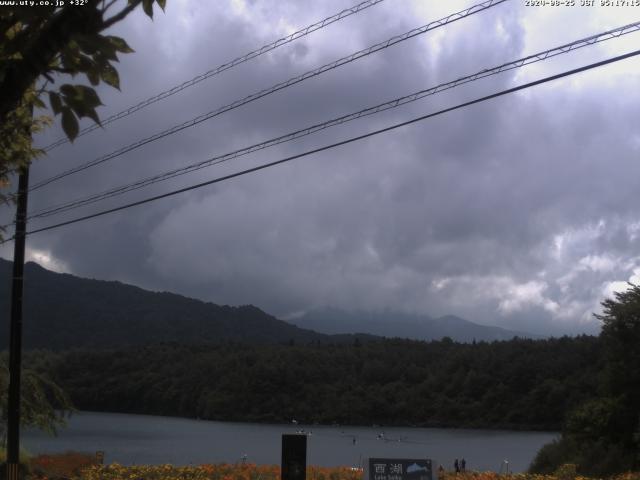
[517, 212]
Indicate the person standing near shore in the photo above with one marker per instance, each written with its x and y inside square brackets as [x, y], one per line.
[463, 465]
[456, 466]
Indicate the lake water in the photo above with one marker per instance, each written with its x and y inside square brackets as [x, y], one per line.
[144, 439]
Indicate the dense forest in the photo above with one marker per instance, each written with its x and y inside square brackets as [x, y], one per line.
[520, 384]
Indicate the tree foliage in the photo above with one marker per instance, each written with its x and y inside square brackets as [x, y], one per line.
[602, 434]
[621, 336]
[43, 404]
[40, 47]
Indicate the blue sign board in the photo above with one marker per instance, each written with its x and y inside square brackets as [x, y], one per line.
[399, 469]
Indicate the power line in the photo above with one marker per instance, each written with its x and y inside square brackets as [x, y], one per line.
[343, 142]
[540, 56]
[279, 86]
[221, 68]
[294, 80]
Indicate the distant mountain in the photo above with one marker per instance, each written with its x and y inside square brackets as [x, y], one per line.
[64, 311]
[395, 324]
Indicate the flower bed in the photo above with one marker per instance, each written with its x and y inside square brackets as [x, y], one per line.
[78, 466]
[210, 472]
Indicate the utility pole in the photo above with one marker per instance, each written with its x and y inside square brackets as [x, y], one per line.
[15, 336]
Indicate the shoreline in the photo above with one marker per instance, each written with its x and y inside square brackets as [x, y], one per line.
[434, 425]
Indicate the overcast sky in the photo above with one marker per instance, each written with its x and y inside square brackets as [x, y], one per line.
[520, 212]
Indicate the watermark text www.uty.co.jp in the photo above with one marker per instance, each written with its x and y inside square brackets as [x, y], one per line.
[42, 3]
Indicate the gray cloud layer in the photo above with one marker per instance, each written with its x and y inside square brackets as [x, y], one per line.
[520, 212]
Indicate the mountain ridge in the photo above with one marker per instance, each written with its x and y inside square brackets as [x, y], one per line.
[64, 311]
[404, 325]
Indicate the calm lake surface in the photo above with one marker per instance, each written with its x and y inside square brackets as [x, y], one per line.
[144, 439]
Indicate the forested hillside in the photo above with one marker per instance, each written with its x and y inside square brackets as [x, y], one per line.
[516, 384]
[63, 311]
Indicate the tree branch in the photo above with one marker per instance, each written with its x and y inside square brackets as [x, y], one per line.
[123, 13]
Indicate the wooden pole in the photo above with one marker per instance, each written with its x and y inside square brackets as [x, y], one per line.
[15, 336]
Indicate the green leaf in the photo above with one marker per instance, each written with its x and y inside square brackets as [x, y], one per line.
[56, 103]
[147, 6]
[69, 56]
[105, 55]
[97, 44]
[93, 115]
[89, 44]
[85, 63]
[39, 103]
[80, 97]
[88, 96]
[81, 101]
[68, 62]
[93, 76]
[110, 76]
[69, 124]
[119, 44]
[68, 90]
[162, 4]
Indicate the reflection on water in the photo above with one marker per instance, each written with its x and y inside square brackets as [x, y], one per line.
[143, 439]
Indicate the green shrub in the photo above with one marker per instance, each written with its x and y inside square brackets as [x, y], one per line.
[594, 458]
[551, 456]
[567, 471]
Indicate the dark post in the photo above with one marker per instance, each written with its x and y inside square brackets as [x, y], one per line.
[15, 336]
[294, 457]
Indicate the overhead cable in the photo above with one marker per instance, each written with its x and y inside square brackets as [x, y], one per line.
[537, 57]
[221, 68]
[337, 144]
[279, 86]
